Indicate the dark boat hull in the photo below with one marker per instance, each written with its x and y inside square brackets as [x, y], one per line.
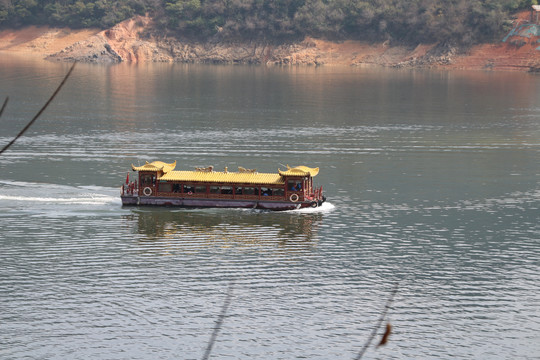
[133, 200]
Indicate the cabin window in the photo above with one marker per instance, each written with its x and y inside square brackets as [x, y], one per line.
[238, 190]
[200, 189]
[221, 190]
[147, 180]
[278, 192]
[176, 188]
[165, 187]
[251, 191]
[189, 189]
[294, 185]
[266, 191]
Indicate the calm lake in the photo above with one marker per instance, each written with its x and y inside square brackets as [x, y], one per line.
[432, 180]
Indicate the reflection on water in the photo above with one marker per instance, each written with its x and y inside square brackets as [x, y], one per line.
[188, 230]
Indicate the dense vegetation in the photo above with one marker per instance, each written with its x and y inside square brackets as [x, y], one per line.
[408, 21]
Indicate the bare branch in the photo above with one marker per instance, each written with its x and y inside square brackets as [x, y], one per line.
[219, 322]
[39, 112]
[379, 322]
[4, 106]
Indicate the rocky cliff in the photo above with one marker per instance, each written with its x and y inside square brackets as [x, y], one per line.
[124, 43]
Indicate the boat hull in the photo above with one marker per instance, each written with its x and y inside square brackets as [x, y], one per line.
[133, 200]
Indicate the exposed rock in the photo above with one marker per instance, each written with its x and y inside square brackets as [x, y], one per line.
[125, 43]
[94, 50]
[436, 55]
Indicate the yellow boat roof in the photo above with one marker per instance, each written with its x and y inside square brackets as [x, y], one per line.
[299, 171]
[155, 166]
[243, 176]
[224, 177]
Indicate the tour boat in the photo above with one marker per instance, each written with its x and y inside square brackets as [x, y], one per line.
[158, 184]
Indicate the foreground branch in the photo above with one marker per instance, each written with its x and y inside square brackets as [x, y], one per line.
[4, 105]
[378, 325]
[39, 112]
[219, 322]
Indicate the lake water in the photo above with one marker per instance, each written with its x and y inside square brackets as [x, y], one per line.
[432, 180]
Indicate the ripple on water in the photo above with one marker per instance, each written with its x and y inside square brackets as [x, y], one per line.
[439, 195]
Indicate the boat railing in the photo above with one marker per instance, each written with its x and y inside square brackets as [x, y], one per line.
[318, 193]
[246, 197]
[221, 196]
[130, 188]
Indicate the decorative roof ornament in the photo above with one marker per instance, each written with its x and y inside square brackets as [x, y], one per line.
[155, 166]
[299, 171]
[205, 169]
[244, 170]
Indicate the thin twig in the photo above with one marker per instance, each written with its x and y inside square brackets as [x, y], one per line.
[219, 322]
[379, 322]
[4, 106]
[40, 111]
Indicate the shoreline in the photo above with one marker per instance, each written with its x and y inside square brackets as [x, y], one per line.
[123, 43]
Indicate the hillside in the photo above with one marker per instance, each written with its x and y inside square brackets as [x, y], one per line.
[123, 43]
